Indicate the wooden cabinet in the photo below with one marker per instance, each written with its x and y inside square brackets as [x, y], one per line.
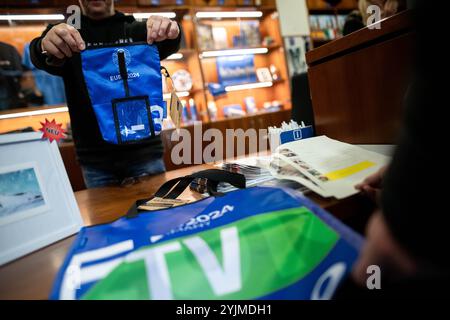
[358, 83]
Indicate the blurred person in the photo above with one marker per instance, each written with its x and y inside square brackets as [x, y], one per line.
[102, 163]
[407, 236]
[51, 87]
[10, 75]
[31, 94]
[357, 19]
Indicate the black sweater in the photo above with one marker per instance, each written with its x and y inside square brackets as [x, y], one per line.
[90, 146]
[415, 191]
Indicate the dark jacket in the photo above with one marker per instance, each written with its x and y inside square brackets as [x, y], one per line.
[353, 22]
[10, 73]
[90, 146]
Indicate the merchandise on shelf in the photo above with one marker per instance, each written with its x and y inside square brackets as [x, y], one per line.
[220, 38]
[193, 110]
[264, 74]
[205, 37]
[236, 70]
[326, 27]
[212, 110]
[250, 34]
[250, 105]
[234, 110]
[182, 80]
[216, 89]
[274, 72]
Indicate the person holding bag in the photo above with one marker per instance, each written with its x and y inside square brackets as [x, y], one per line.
[59, 51]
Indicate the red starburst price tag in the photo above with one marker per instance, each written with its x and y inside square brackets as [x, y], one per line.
[52, 130]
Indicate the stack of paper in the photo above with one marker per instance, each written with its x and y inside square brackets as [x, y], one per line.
[326, 166]
[255, 174]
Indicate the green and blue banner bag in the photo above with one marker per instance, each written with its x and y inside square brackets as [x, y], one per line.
[124, 83]
[255, 243]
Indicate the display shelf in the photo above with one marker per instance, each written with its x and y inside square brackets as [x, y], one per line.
[237, 51]
[222, 119]
[330, 11]
[253, 85]
[264, 57]
[188, 58]
[334, 20]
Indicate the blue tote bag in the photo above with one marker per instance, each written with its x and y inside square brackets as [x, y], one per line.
[124, 83]
[255, 243]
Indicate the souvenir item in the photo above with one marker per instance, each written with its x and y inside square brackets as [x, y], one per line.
[124, 85]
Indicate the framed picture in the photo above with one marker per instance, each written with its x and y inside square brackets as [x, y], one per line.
[220, 38]
[37, 204]
[236, 70]
[264, 74]
[205, 37]
[21, 193]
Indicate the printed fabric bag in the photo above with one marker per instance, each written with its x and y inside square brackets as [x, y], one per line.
[255, 243]
[124, 83]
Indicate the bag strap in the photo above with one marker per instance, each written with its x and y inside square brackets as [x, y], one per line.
[175, 187]
[176, 107]
[123, 71]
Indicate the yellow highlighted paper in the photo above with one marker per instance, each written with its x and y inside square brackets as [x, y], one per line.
[343, 173]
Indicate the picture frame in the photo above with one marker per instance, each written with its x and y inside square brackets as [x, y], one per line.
[37, 204]
[205, 37]
[25, 203]
[264, 75]
[220, 38]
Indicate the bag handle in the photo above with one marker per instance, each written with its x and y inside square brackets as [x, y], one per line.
[123, 71]
[173, 188]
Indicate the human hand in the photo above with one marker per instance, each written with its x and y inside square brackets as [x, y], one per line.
[62, 41]
[383, 250]
[372, 185]
[160, 28]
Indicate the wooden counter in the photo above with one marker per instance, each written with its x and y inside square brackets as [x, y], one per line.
[32, 276]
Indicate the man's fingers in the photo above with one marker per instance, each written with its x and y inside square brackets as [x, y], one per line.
[173, 30]
[153, 31]
[67, 37]
[149, 28]
[62, 41]
[159, 29]
[64, 47]
[61, 44]
[373, 180]
[53, 50]
[371, 192]
[162, 32]
[78, 39]
[155, 28]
